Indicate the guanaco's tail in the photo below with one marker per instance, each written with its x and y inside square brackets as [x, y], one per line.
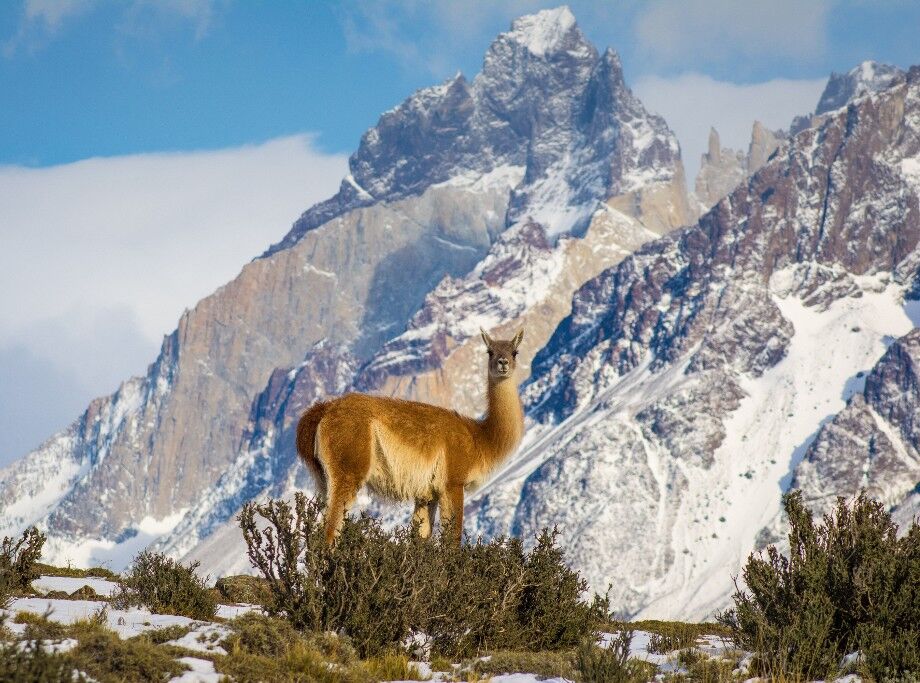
[306, 444]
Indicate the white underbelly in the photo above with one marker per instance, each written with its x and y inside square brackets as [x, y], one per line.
[402, 473]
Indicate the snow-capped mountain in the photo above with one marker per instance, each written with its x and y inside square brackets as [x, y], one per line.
[673, 406]
[546, 143]
[864, 79]
[680, 376]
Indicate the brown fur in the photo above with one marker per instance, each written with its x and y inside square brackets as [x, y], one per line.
[406, 450]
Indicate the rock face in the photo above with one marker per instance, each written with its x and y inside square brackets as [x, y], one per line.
[673, 406]
[547, 142]
[868, 77]
[841, 89]
[722, 169]
[544, 101]
[873, 443]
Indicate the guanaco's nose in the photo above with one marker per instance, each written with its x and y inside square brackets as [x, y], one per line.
[503, 364]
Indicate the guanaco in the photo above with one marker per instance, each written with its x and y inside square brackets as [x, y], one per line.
[407, 450]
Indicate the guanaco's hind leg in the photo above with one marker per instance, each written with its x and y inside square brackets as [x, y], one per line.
[341, 498]
[345, 451]
[452, 512]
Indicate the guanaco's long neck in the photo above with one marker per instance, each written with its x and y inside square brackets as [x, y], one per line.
[503, 425]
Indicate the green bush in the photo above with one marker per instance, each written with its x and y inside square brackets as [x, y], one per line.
[380, 587]
[18, 560]
[165, 586]
[849, 584]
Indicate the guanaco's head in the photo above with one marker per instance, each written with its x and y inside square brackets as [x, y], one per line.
[502, 354]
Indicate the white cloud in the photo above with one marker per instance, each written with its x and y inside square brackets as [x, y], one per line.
[720, 30]
[101, 256]
[692, 102]
[43, 20]
[431, 35]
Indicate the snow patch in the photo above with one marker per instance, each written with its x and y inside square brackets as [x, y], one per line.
[767, 436]
[542, 32]
[117, 555]
[68, 584]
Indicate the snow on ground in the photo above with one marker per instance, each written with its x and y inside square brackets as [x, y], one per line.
[767, 436]
[46, 584]
[200, 671]
[89, 552]
[204, 637]
[126, 623]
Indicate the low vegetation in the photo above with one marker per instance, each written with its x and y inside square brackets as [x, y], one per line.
[251, 590]
[29, 661]
[165, 586]
[611, 664]
[381, 587]
[845, 599]
[848, 585]
[98, 654]
[262, 648]
[543, 664]
[73, 572]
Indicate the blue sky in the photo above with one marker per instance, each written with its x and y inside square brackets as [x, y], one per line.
[150, 148]
[88, 78]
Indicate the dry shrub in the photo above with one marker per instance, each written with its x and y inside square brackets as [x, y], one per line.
[678, 637]
[263, 648]
[251, 590]
[542, 664]
[100, 654]
[30, 662]
[380, 587]
[73, 572]
[392, 666]
[18, 559]
[611, 664]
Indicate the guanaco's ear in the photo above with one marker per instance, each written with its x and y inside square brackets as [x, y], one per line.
[486, 338]
[518, 338]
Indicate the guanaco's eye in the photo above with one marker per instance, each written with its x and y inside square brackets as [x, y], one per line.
[490, 353]
[514, 354]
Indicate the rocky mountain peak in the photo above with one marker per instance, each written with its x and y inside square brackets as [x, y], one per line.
[546, 32]
[722, 168]
[865, 78]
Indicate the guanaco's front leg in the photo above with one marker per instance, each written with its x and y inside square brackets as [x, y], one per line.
[452, 512]
[423, 517]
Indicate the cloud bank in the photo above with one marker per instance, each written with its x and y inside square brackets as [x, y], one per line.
[101, 256]
[672, 31]
[693, 102]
